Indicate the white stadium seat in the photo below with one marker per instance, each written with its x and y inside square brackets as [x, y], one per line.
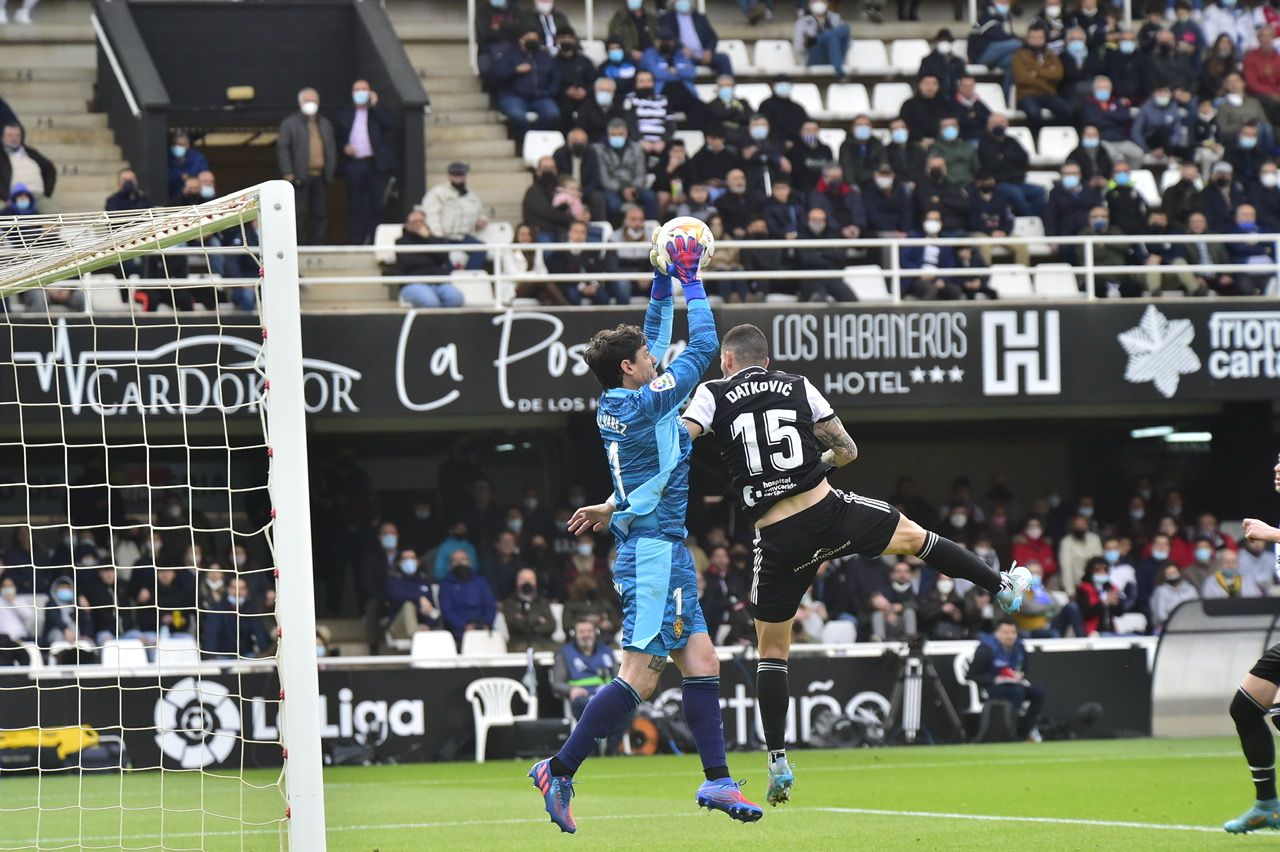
[1056, 281]
[483, 643]
[992, 94]
[736, 50]
[867, 56]
[775, 56]
[754, 93]
[706, 92]
[1171, 176]
[177, 649]
[868, 284]
[384, 243]
[1045, 179]
[887, 99]
[594, 49]
[497, 233]
[433, 645]
[846, 101]
[102, 293]
[905, 54]
[1055, 144]
[960, 48]
[1023, 135]
[839, 633]
[124, 654]
[693, 140]
[1011, 280]
[541, 143]
[1145, 183]
[808, 96]
[1031, 227]
[834, 137]
[477, 289]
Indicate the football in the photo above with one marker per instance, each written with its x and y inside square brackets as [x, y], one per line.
[686, 226]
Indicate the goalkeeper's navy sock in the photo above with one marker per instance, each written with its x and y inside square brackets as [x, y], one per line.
[1256, 743]
[702, 711]
[956, 561]
[612, 703]
[773, 694]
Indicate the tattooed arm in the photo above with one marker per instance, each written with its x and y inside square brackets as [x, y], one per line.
[840, 447]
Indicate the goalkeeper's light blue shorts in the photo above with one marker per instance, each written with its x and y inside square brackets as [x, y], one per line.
[659, 589]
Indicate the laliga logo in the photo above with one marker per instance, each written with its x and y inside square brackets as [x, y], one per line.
[197, 723]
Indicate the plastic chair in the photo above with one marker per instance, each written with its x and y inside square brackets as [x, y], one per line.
[1023, 135]
[839, 633]
[846, 101]
[477, 289]
[867, 56]
[1031, 227]
[905, 54]
[736, 50]
[1011, 280]
[483, 643]
[1171, 176]
[384, 243]
[1145, 183]
[807, 96]
[693, 140]
[834, 137]
[961, 666]
[1131, 622]
[887, 99]
[539, 144]
[490, 699]
[557, 612]
[754, 93]
[124, 654]
[177, 650]
[868, 283]
[433, 645]
[992, 94]
[102, 293]
[775, 56]
[594, 49]
[1042, 178]
[1055, 144]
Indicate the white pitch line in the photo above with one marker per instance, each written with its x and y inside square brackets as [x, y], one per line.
[1092, 823]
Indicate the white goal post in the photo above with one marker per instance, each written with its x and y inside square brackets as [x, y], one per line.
[170, 698]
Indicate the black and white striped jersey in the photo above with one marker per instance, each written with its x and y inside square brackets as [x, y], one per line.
[763, 422]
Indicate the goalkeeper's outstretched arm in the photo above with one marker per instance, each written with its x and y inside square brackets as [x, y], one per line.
[666, 394]
[658, 316]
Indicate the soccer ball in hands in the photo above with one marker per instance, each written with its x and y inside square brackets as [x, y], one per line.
[681, 226]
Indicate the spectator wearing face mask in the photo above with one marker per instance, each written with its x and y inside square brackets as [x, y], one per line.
[821, 37]
[990, 215]
[904, 154]
[1040, 616]
[1220, 200]
[784, 214]
[1092, 21]
[763, 156]
[498, 26]
[1257, 560]
[841, 201]
[1227, 581]
[924, 111]
[466, 601]
[1112, 254]
[588, 264]
[530, 621]
[409, 599]
[1110, 113]
[1093, 159]
[1174, 63]
[1237, 108]
[1203, 564]
[1124, 577]
[1228, 18]
[1165, 254]
[928, 258]
[1038, 73]
[1246, 156]
[1032, 545]
[623, 172]
[1079, 546]
[184, 162]
[1007, 161]
[1126, 205]
[943, 64]
[1159, 126]
[991, 41]
[1173, 590]
[936, 191]
[861, 152]
[697, 38]
[712, 164]
[1265, 197]
[1053, 20]
[1249, 250]
[634, 28]
[1066, 212]
[809, 156]
[970, 110]
[889, 205]
[1080, 64]
[728, 111]
[22, 202]
[960, 156]
[456, 540]
[592, 115]
[527, 82]
[820, 290]
[942, 611]
[1128, 70]
[128, 195]
[1182, 198]
[896, 607]
[590, 600]
[786, 117]
[1098, 599]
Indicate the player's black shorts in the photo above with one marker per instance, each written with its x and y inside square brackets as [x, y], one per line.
[789, 552]
[1268, 665]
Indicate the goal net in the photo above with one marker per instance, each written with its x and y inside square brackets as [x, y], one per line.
[158, 678]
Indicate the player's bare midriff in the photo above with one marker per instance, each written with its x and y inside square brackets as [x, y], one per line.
[794, 505]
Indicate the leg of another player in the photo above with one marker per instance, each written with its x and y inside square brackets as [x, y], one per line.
[954, 560]
[1249, 711]
[700, 666]
[773, 694]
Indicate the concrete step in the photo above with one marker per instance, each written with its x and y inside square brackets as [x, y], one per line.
[491, 185]
[87, 120]
[439, 55]
[336, 264]
[449, 102]
[73, 200]
[446, 132]
[10, 75]
[82, 167]
[47, 89]
[437, 84]
[479, 165]
[44, 137]
[19, 56]
[98, 185]
[29, 106]
[470, 149]
[456, 118]
[64, 154]
[343, 295]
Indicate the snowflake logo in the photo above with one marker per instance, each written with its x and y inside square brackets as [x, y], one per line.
[1159, 351]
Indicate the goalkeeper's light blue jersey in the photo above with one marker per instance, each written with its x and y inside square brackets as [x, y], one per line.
[646, 446]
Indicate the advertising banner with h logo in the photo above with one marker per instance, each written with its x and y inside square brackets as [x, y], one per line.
[1021, 353]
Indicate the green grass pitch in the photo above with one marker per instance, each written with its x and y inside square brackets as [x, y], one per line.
[1117, 794]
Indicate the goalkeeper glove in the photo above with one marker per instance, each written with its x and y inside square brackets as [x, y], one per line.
[661, 286]
[686, 262]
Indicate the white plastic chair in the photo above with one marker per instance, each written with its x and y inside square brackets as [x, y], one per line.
[754, 93]
[433, 645]
[887, 99]
[834, 137]
[846, 101]
[808, 96]
[1171, 176]
[867, 56]
[736, 50]
[124, 654]
[775, 56]
[177, 650]
[1042, 178]
[706, 92]
[500, 626]
[1145, 183]
[1011, 280]
[557, 613]
[483, 643]
[1023, 135]
[992, 94]
[102, 293]
[1055, 144]
[868, 284]
[839, 633]
[539, 144]
[961, 666]
[905, 54]
[595, 50]
[960, 48]
[1031, 227]
[496, 233]
[693, 140]
[477, 289]
[384, 243]
[490, 699]
[1130, 622]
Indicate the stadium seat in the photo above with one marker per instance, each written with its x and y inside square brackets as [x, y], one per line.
[1023, 135]
[433, 645]
[754, 93]
[960, 667]
[839, 633]
[868, 283]
[384, 243]
[476, 287]
[124, 654]
[834, 137]
[736, 50]
[594, 49]
[483, 643]
[1171, 176]
[781, 298]
[706, 92]
[490, 699]
[960, 48]
[1130, 622]
[539, 144]
[1043, 179]
[599, 232]
[693, 140]
[497, 233]
[905, 55]
[102, 293]
[1145, 183]
[867, 56]
[557, 612]
[846, 101]
[808, 96]
[1011, 280]
[500, 626]
[1031, 227]
[887, 99]
[1055, 144]
[992, 94]
[177, 650]
[776, 56]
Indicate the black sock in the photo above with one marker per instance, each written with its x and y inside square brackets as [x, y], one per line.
[558, 768]
[773, 694]
[1255, 740]
[715, 773]
[956, 561]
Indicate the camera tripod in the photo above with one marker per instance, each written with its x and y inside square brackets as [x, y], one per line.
[906, 703]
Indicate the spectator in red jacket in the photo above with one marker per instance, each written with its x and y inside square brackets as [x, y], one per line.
[1207, 528]
[1262, 72]
[1099, 601]
[1032, 545]
[1181, 551]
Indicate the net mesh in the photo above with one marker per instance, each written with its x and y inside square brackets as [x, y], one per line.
[139, 677]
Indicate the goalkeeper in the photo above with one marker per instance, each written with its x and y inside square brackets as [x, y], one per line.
[648, 455]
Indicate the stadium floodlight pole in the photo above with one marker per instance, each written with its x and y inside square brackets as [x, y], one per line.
[291, 540]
